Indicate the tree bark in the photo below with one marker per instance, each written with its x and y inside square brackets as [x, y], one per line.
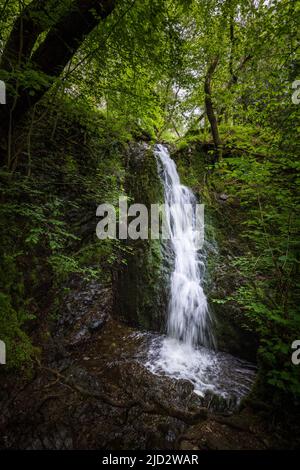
[25, 31]
[210, 108]
[52, 55]
[229, 84]
[234, 79]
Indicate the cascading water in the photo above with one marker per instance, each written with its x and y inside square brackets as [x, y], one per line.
[188, 319]
[187, 351]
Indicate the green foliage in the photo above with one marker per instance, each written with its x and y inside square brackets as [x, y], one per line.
[19, 349]
[141, 74]
[14, 313]
[48, 219]
[266, 186]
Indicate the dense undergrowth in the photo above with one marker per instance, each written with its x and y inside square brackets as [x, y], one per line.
[72, 163]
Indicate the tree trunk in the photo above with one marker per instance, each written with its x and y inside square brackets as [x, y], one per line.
[210, 109]
[52, 55]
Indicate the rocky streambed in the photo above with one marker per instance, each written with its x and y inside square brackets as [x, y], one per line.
[92, 389]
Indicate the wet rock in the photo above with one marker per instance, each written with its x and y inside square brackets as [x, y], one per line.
[104, 398]
[214, 435]
[97, 324]
[84, 311]
[58, 439]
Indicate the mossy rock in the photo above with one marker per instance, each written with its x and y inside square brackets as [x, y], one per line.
[223, 221]
[141, 286]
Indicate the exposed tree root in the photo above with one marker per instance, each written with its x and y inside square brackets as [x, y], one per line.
[157, 407]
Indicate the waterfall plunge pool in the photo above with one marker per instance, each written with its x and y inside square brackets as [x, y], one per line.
[220, 379]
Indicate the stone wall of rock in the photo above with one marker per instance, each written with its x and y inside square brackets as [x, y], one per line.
[140, 287]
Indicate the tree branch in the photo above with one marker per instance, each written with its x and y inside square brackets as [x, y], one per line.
[53, 54]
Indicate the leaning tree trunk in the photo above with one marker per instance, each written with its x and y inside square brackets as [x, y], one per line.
[50, 58]
[234, 77]
[210, 108]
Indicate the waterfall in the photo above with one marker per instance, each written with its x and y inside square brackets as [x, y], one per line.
[188, 315]
[187, 351]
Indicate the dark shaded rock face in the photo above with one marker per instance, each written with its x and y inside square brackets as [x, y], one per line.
[140, 291]
[233, 329]
[85, 310]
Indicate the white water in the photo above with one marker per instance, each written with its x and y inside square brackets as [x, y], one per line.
[187, 352]
[188, 315]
